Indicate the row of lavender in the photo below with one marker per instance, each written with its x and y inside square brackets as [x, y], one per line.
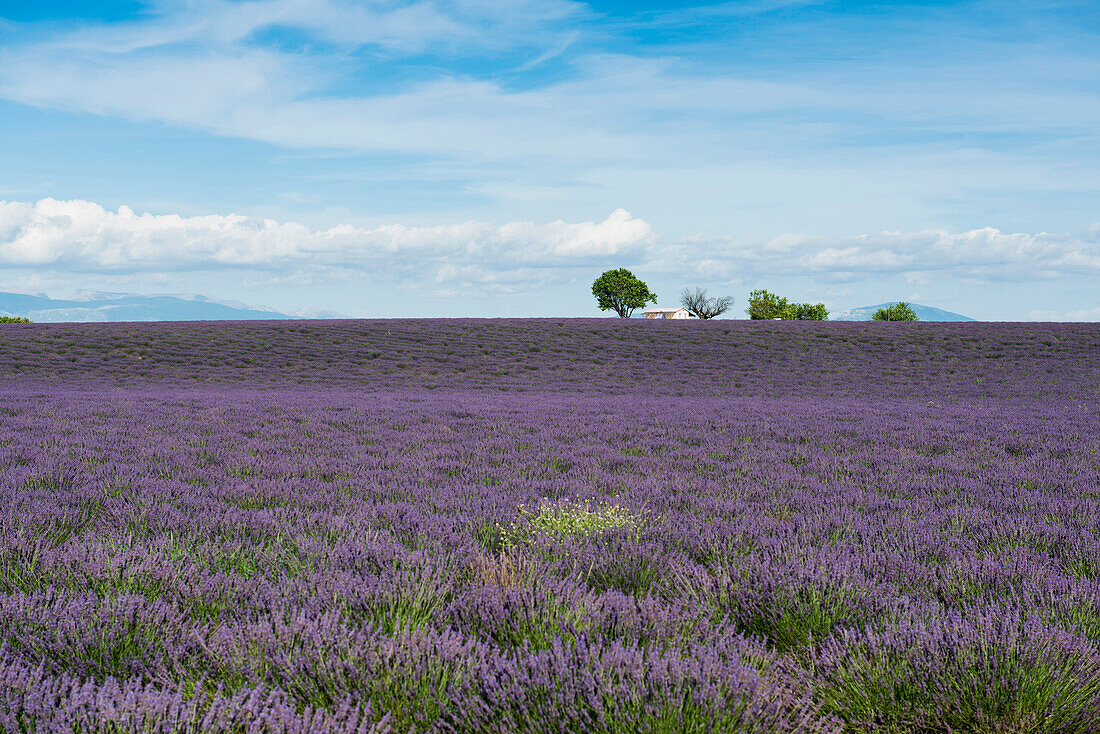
[226, 558]
[295, 554]
[729, 358]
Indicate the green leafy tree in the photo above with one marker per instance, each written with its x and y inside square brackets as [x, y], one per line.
[620, 291]
[807, 312]
[14, 320]
[766, 305]
[900, 311]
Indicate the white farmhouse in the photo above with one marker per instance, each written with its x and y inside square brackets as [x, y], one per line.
[667, 313]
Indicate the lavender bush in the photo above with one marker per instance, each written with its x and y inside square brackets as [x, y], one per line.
[550, 525]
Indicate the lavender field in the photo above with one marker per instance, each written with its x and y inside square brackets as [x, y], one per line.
[564, 525]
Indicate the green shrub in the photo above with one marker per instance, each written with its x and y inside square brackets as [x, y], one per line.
[807, 312]
[766, 305]
[900, 311]
[14, 320]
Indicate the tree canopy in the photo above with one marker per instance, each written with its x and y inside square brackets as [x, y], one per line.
[619, 290]
[900, 311]
[765, 305]
[808, 312]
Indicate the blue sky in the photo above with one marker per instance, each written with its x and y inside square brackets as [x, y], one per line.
[491, 157]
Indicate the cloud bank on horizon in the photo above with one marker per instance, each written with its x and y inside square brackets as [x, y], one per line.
[300, 150]
[82, 237]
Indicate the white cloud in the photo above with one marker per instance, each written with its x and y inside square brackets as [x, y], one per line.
[984, 253]
[1085, 314]
[82, 236]
[674, 128]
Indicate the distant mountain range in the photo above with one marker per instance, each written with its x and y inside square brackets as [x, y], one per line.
[924, 313]
[99, 306]
[96, 306]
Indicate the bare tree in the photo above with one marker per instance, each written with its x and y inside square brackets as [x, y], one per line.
[699, 305]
